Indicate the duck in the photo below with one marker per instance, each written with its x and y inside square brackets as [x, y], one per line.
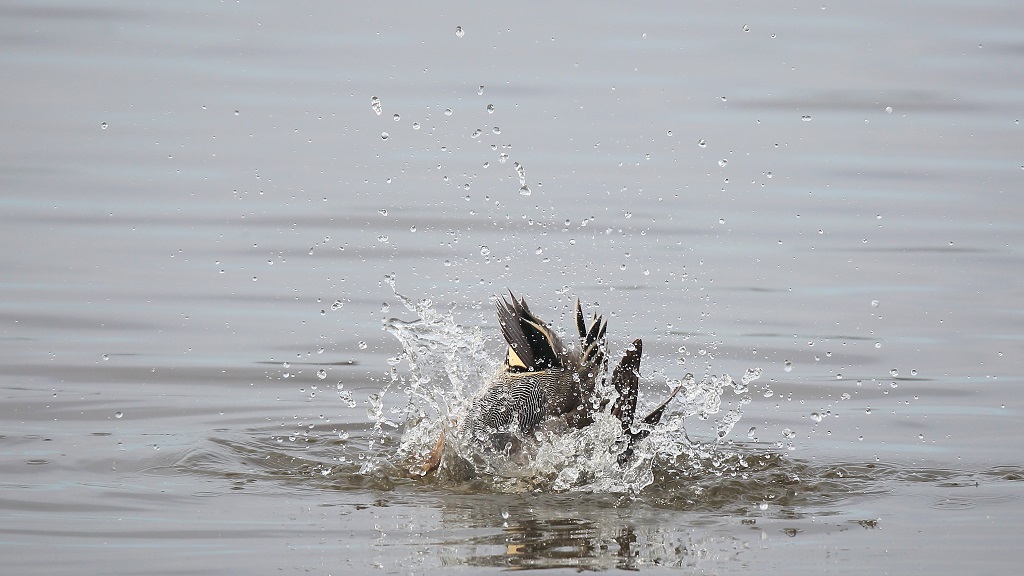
[544, 384]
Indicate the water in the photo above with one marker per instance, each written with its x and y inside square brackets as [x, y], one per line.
[200, 219]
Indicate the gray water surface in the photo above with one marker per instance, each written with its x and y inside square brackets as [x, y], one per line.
[199, 210]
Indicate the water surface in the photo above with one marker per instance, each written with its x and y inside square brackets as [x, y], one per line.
[200, 210]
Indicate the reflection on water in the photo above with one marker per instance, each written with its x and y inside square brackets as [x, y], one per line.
[770, 496]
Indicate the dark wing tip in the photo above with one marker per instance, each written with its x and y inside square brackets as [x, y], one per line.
[535, 345]
[626, 380]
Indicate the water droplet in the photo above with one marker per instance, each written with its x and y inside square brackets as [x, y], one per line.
[749, 375]
[786, 432]
[362, 345]
[702, 143]
[888, 109]
[103, 125]
[525, 190]
[485, 251]
[746, 28]
[415, 125]
[723, 162]
[496, 130]
[521, 172]
[867, 410]
[448, 112]
[894, 372]
[480, 90]
[105, 357]
[816, 416]
[750, 433]
[383, 238]
[490, 108]
[874, 303]
[878, 344]
[459, 32]
[338, 305]
[628, 214]
[384, 135]
[118, 414]
[321, 374]
[374, 104]
[787, 366]
[383, 211]
[476, 133]
[806, 118]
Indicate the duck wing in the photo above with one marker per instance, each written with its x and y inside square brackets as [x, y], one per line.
[532, 346]
[626, 380]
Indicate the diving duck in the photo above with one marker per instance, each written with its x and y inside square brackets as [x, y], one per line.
[544, 383]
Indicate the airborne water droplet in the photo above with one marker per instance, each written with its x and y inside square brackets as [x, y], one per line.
[459, 31]
[375, 105]
[321, 374]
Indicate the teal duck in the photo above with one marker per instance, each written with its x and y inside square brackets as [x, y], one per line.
[542, 379]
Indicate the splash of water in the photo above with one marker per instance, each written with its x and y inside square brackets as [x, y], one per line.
[448, 364]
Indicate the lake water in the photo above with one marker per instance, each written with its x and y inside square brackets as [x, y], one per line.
[203, 209]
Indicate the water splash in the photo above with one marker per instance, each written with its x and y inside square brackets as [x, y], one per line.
[449, 363]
